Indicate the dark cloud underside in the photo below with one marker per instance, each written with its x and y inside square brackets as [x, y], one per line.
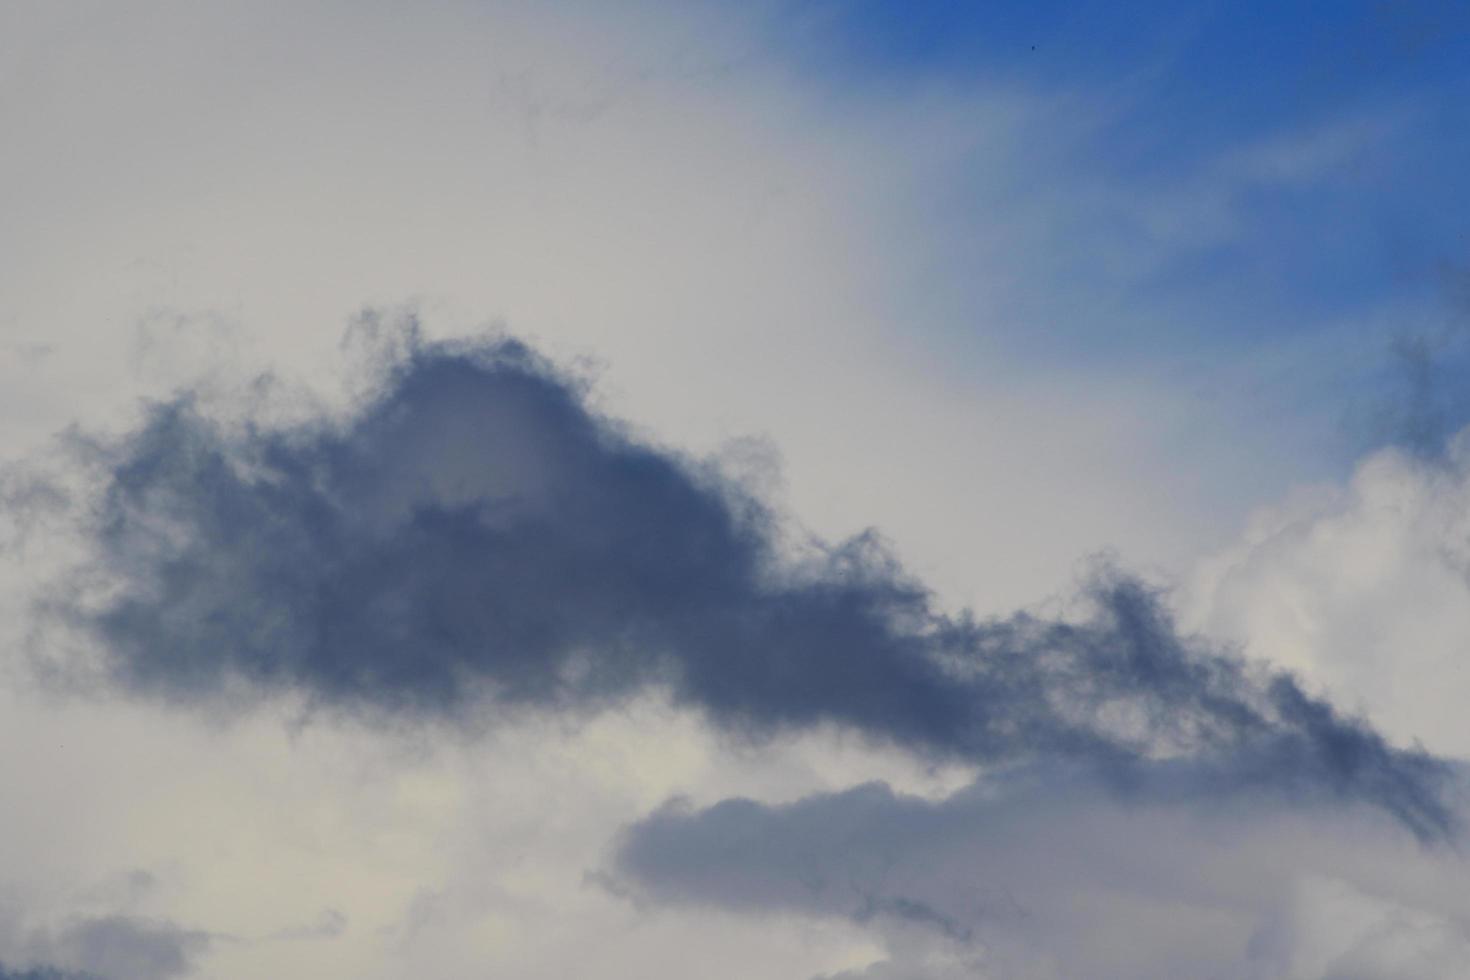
[1045, 871]
[474, 536]
[109, 947]
[42, 973]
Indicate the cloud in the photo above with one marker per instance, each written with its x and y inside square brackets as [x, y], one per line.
[473, 539]
[27, 498]
[1004, 355]
[108, 947]
[330, 924]
[1413, 398]
[40, 973]
[1361, 588]
[1049, 872]
[124, 948]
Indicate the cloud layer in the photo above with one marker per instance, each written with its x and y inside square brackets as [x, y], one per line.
[464, 675]
[1049, 873]
[472, 538]
[112, 946]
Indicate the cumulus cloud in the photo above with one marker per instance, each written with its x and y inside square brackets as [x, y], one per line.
[474, 536]
[1048, 872]
[1362, 588]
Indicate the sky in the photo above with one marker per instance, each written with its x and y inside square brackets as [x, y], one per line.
[812, 489]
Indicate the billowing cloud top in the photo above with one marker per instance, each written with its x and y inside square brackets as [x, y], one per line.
[473, 538]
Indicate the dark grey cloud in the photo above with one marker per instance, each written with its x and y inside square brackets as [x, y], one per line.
[474, 538]
[1049, 871]
[42, 973]
[123, 947]
[104, 947]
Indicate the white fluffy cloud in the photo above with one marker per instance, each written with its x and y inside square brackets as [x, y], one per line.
[1364, 588]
